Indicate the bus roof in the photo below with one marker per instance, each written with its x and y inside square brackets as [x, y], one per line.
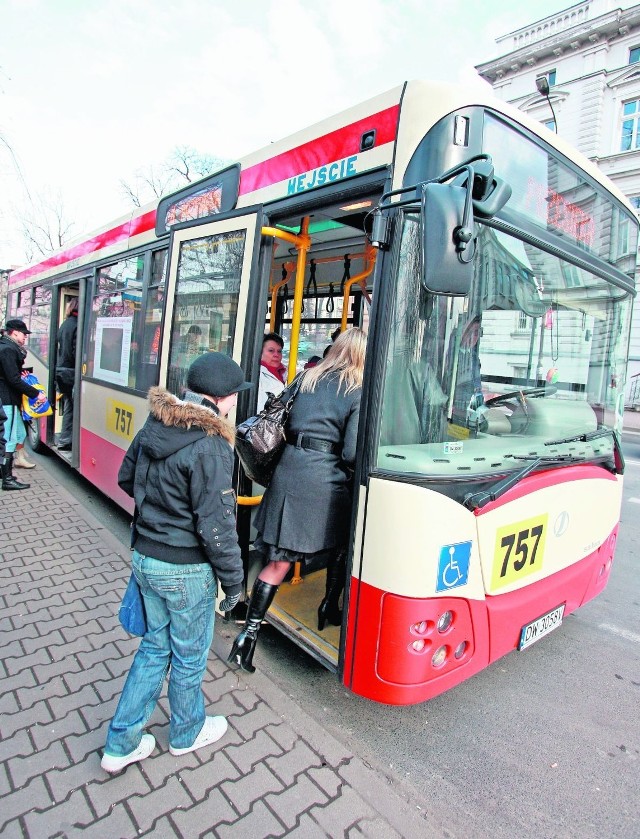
[332, 149]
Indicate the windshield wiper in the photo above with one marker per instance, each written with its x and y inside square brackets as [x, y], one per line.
[582, 438]
[618, 457]
[476, 500]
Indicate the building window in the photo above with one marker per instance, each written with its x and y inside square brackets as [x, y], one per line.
[630, 139]
[635, 202]
[620, 239]
[551, 77]
[550, 124]
[634, 55]
[572, 276]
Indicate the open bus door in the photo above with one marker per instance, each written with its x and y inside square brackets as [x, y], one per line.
[207, 290]
[211, 306]
[313, 291]
[48, 430]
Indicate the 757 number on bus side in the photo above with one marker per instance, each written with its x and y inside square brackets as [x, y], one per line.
[519, 551]
[120, 418]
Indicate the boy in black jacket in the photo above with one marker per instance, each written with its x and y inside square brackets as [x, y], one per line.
[179, 470]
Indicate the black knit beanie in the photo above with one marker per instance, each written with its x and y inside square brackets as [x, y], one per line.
[216, 374]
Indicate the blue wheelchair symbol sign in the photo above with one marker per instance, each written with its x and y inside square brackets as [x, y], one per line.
[453, 567]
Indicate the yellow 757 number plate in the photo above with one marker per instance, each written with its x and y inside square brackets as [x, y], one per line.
[120, 418]
[519, 551]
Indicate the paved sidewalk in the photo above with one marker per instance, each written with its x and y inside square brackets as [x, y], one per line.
[63, 660]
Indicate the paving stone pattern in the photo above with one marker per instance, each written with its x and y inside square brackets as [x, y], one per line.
[63, 660]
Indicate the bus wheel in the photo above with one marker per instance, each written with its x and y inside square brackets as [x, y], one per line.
[33, 434]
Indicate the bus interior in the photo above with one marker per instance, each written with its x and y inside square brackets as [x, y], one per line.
[337, 288]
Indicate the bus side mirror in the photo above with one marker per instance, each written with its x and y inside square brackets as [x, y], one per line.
[448, 239]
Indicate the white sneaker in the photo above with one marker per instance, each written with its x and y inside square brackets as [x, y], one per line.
[212, 730]
[113, 764]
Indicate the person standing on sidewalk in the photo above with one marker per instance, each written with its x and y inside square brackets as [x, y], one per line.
[12, 387]
[20, 458]
[66, 371]
[179, 470]
[3, 418]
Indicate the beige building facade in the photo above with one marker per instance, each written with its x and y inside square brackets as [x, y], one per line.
[589, 55]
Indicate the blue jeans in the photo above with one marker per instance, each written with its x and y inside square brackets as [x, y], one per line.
[14, 430]
[179, 604]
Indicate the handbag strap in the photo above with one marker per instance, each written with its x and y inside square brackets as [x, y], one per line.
[292, 390]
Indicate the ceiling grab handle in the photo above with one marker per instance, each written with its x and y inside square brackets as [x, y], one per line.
[370, 261]
[287, 266]
[346, 274]
[313, 283]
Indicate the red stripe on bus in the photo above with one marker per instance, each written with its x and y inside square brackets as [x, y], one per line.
[327, 149]
[331, 147]
[132, 227]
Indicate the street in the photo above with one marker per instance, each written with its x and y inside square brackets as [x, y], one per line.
[544, 743]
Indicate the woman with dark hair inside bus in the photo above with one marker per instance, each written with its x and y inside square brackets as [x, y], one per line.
[306, 508]
[273, 373]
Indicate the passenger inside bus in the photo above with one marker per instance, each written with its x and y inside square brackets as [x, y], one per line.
[273, 373]
[415, 403]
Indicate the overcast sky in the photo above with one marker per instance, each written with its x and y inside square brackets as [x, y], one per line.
[91, 90]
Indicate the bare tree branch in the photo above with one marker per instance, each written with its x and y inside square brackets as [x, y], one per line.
[130, 193]
[183, 165]
[44, 225]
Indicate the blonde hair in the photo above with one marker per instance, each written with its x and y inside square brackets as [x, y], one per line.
[345, 357]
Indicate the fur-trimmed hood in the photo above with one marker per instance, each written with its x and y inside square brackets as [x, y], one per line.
[174, 424]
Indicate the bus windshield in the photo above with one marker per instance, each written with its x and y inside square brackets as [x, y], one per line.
[553, 196]
[477, 385]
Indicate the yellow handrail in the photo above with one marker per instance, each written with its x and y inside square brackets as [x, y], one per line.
[360, 279]
[249, 500]
[302, 242]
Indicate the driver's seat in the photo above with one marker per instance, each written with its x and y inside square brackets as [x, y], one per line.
[493, 421]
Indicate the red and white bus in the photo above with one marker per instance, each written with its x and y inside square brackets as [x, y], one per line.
[493, 268]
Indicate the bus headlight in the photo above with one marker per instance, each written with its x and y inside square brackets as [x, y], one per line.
[460, 650]
[444, 621]
[439, 657]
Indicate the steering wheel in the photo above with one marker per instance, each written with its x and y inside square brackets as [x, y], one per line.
[531, 392]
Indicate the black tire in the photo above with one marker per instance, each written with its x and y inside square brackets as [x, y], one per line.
[33, 435]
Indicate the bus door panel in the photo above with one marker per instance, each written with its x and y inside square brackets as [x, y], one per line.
[210, 266]
[66, 294]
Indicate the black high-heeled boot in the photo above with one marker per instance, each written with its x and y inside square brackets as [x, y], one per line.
[244, 645]
[328, 610]
[9, 481]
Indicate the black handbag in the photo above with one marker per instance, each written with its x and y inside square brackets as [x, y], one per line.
[260, 440]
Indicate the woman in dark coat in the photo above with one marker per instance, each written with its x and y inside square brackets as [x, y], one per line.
[307, 506]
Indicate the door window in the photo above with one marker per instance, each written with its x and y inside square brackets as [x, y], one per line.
[206, 301]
